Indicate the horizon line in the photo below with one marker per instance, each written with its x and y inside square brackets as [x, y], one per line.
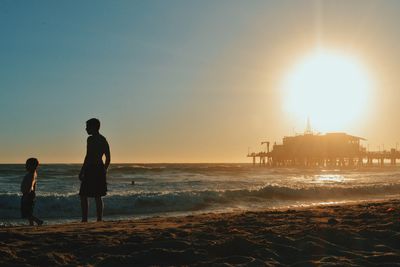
[76, 163]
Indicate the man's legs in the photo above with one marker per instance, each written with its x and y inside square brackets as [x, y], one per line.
[99, 208]
[36, 220]
[85, 207]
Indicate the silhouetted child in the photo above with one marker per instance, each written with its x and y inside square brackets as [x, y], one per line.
[28, 187]
[93, 172]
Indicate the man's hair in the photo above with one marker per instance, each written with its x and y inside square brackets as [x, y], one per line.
[95, 123]
[32, 163]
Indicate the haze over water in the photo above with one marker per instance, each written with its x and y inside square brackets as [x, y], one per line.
[171, 189]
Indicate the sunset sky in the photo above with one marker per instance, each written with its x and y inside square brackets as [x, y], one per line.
[185, 81]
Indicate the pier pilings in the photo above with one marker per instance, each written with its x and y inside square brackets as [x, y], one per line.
[367, 159]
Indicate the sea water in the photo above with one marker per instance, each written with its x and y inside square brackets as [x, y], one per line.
[142, 190]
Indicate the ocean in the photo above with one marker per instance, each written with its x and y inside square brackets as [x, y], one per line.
[143, 190]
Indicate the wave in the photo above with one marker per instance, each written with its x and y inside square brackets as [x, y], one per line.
[67, 206]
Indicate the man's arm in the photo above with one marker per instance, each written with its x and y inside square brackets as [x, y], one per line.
[81, 173]
[84, 161]
[107, 155]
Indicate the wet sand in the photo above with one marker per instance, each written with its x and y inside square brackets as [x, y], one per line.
[366, 234]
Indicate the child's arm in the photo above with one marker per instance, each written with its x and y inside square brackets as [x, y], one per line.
[27, 183]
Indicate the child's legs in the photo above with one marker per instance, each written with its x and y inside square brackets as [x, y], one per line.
[99, 208]
[85, 207]
[27, 204]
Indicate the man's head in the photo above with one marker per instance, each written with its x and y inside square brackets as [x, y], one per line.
[31, 164]
[93, 126]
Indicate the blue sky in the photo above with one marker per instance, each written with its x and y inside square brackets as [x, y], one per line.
[171, 81]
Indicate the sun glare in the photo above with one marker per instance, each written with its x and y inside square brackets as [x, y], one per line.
[329, 88]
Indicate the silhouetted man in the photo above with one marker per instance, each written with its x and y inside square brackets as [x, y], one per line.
[93, 172]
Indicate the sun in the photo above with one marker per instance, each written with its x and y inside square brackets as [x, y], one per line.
[329, 88]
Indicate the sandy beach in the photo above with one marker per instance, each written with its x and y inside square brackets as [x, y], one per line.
[366, 234]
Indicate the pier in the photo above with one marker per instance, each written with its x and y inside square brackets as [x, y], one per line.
[332, 150]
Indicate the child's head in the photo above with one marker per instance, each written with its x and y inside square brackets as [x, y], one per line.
[31, 164]
[93, 126]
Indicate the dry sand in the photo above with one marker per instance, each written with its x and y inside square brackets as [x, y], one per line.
[366, 234]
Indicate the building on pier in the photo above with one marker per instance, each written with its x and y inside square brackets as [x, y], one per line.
[318, 150]
[322, 150]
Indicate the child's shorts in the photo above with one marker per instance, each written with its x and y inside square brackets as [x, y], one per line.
[27, 204]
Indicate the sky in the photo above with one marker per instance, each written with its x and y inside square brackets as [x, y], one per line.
[180, 81]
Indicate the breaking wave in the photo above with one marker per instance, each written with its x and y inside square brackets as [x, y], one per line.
[58, 206]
